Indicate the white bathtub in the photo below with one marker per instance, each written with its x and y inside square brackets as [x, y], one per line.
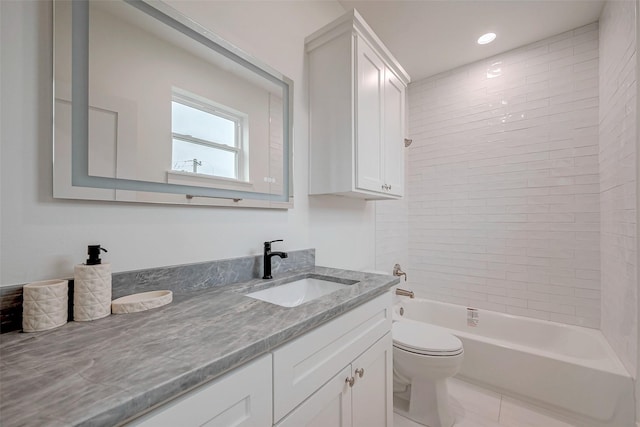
[568, 369]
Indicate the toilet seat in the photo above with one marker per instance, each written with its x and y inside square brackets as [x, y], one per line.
[425, 339]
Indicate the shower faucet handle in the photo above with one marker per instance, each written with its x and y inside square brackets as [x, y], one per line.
[397, 271]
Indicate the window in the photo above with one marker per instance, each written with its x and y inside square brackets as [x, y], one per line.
[207, 138]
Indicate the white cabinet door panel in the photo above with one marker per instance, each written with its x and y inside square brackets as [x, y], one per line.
[241, 398]
[394, 93]
[330, 406]
[369, 137]
[371, 394]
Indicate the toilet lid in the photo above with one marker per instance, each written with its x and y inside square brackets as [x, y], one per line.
[426, 339]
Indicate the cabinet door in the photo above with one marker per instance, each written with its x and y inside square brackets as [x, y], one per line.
[369, 139]
[241, 398]
[330, 406]
[372, 399]
[394, 93]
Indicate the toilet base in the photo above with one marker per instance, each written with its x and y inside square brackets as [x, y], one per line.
[428, 404]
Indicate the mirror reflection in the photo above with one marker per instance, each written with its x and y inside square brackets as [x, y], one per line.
[168, 109]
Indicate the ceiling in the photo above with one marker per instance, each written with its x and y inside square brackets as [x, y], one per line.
[431, 36]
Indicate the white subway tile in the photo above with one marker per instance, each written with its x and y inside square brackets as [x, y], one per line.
[551, 307]
[528, 312]
[503, 183]
[588, 322]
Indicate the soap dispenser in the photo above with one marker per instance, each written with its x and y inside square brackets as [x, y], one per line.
[92, 287]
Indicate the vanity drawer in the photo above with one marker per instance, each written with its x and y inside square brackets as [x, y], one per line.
[305, 364]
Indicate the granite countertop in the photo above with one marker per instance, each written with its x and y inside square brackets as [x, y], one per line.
[106, 371]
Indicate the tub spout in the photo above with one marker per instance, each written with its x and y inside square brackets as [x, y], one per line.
[404, 292]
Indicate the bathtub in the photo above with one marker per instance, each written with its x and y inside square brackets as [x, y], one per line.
[567, 369]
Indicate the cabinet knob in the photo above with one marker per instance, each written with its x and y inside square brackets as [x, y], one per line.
[350, 381]
[360, 372]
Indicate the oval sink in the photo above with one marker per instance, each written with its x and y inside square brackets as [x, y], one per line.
[295, 293]
[141, 302]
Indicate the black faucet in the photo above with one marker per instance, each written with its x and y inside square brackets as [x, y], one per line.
[267, 258]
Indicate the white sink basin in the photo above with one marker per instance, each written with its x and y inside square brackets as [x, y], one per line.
[295, 293]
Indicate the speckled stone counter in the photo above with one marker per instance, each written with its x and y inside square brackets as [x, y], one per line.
[104, 372]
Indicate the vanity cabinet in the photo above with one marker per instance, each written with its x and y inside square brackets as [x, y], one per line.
[338, 374]
[335, 374]
[358, 396]
[357, 112]
[240, 398]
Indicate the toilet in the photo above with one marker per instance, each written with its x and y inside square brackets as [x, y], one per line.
[424, 356]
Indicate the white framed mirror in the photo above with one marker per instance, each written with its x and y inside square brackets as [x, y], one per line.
[149, 106]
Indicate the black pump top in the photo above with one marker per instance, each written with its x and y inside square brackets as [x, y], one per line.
[94, 254]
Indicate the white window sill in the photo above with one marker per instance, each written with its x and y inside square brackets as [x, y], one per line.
[208, 181]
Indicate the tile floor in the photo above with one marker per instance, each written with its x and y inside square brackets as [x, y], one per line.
[475, 406]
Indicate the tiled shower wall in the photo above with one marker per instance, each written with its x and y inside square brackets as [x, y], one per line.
[503, 187]
[618, 145]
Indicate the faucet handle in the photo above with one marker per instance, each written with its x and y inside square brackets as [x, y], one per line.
[267, 245]
[397, 271]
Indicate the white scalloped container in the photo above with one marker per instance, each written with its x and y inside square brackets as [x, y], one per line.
[44, 305]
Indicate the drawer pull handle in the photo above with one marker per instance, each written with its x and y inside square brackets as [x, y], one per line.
[360, 372]
[350, 381]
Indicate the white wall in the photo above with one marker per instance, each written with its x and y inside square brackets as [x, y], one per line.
[637, 25]
[503, 182]
[392, 235]
[392, 230]
[618, 188]
[43, 238]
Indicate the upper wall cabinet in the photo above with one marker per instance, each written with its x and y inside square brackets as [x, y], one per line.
[357, 104]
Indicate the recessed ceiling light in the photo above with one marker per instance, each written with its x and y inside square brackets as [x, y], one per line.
[487, 38]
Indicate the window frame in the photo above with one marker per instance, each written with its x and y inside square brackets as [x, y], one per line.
[240, 124]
